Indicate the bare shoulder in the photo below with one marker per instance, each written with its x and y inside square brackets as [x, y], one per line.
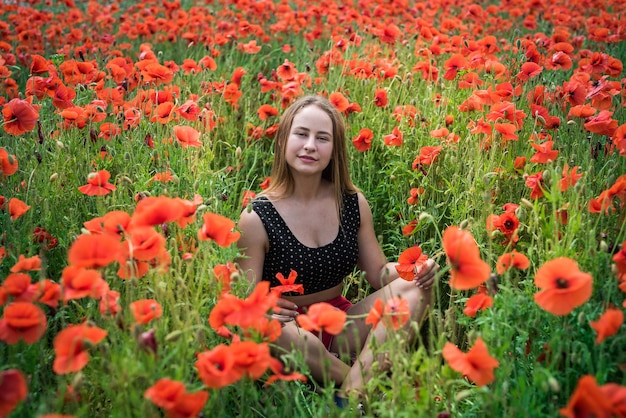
[364, 208]
[252, 230]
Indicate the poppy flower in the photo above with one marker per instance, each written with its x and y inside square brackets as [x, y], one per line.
[8, 163]
[512, 259]
[223, 274]
[323, 316]
[375, 314]
[453, 65]
[71, 344]
[380, 97]
[20, 116]
[588, 400]
[145, 310]
[529, 70]
[173, 398]
[26, 264]
[94, 250]
[218, 228]
[569, 177]
[216, 367]
[618, 137]
[110, 303]
[13, 390]
[277, 368]
[187, 136]
[80, 282]
[245, 313]
[144, 243]
[478, 302]
[544, 153]
[97, 184]
[415, 192]
[288, 284]
[17, 208]
[506, 223]
[602, 123]
[22, 321]
[18, 286]
[477, 365]
[265, 111]
[410, 261]
[427, 156]
[363, 141]
[156, 210]
[409, 227]
[536, 184]
[608, 324]
[394, 139]
[286, 71]
[468, 270]
[563, 286]
[47, 292]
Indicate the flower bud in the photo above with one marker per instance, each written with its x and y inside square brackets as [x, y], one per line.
[54, 177]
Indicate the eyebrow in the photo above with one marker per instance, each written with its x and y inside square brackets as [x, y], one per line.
[302, 128]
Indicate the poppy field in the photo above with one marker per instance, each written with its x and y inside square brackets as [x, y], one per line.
[489, 136]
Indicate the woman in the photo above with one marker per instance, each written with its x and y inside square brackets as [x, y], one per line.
[313, 220]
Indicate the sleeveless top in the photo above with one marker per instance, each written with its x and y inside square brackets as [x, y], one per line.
[318, 268]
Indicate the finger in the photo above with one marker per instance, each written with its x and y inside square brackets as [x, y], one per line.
[283, 303]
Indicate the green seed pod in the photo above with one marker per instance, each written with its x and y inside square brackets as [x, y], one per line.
[173, 336]
[554, 384]
[54, 177]
[464, 224]
[60, 145]
[527, 203]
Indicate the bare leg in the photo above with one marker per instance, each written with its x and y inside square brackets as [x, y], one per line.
[419, 300]
[324, 365]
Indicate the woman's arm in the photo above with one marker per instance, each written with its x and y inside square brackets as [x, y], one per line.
[253, 245]
[378, 270]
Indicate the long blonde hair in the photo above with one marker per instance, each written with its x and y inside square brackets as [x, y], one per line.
[281, 179]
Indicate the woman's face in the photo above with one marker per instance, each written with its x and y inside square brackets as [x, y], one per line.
[310, 143]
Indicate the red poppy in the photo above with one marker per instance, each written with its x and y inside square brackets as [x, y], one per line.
[97, 184]
[218, 228]
[380, 97]
[363, 141]
[569, 178]
[223, 273]
[544, 153]
[602, 124]
[427, 156]
[22, 321]
[468, 270]
[216, 367]
[410, 261]
[265, 111]
[286, 71]
[564, 286]
[47, 292]
[619, 140]
[110, 303]
[510, 260]
[477, 365]
[156, 210]
[395, 138]
[248, 195]
[13, 390]
[17, 208]
[288, 284]
[608, 324]
[18, 286]
[506, 223]
[8, 163]
[529, 70]
[26, 264]
[277, 368]
[145, 310]
[409, 228]
[114, 222]
[245, 313]
[453, 65]
[173, 398]
[71, 344]
[187, 136]
[80, 282]
[535, 182]
[323, 316]
[375, 314]
[251, 359]
[94, 250]
[588, 400]
[20, 116]
[478, 302]
[415, 192]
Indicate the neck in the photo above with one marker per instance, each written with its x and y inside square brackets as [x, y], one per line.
[308, 188]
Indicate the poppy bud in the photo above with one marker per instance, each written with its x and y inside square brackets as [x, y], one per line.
[77, 380]
[173, 336]
[54, 177]
[464, 224]
[546, 175]
[126, 179]
[147, 341]
[604, 247]
[554, 384]
[392, 177]
[424, 217]
[238, 152]
[527, 203]
[60, 145]
[201, 208]
[463, 394]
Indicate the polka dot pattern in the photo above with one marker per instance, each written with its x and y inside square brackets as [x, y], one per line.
[318, 268]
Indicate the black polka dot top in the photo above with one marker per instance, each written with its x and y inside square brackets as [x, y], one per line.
[318, 268]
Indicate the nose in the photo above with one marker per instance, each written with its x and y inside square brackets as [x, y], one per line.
[309, 145]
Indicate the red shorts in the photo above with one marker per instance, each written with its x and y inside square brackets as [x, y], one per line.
[340, 303]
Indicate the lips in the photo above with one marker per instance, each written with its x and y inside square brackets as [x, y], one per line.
[307, 158]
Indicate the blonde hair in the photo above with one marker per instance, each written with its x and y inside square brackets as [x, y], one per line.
[281, 179]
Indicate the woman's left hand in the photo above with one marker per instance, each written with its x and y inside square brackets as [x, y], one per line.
[426, 274]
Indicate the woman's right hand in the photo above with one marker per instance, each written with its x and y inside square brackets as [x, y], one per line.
[285, 311]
